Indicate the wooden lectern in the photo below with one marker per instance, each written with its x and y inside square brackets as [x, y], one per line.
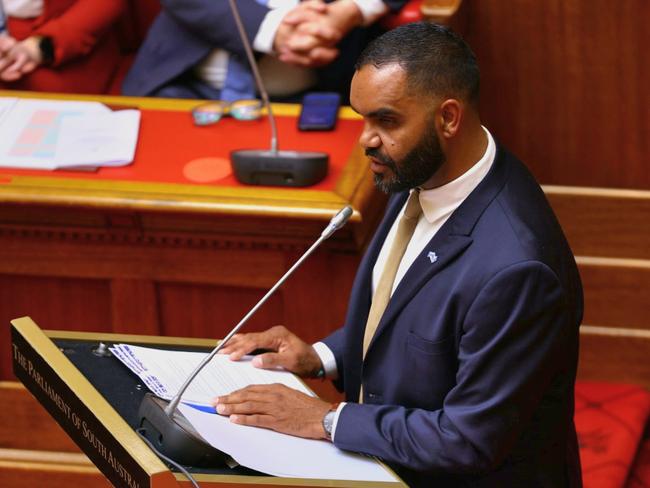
[94, 399]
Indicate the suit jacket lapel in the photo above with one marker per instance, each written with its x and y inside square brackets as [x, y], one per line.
[446, 247]
[451, 240]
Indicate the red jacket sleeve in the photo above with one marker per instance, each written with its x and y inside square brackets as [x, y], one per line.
[76, 30]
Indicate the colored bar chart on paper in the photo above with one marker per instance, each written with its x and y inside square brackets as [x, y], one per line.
[45, 134]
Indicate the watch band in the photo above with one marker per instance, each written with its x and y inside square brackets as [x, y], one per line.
[320, 374]
[328, 420]
[46, 46]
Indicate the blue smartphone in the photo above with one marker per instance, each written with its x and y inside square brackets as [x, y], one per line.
[319, 111]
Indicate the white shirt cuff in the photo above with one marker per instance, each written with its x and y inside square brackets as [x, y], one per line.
[336, 419]
[265, 36]
[371, 10]
[328, 360]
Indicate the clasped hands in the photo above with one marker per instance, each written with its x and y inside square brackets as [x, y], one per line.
[308, 34]
[276, 407]
[18, 58]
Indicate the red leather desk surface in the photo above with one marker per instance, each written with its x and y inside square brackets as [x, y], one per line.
[169, 140]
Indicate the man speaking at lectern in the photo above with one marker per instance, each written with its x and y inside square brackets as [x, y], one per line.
[458, 354]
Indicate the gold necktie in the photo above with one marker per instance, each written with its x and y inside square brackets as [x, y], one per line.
[381, 297]
[382, 294]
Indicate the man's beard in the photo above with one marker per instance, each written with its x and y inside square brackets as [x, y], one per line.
[415, 169]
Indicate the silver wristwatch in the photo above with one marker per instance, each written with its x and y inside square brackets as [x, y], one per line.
[328, 423]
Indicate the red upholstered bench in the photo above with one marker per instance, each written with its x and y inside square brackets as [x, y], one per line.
[611, 420]
[639, 476]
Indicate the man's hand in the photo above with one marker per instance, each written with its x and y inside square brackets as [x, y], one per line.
[340, 17]
[308, 34]
[288, 351]
[305, 37]
[6, 44]
[276, 407]
[18, 58]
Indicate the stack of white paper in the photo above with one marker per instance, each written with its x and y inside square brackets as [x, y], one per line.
[270, 452]
[163, 372]
[51, 134]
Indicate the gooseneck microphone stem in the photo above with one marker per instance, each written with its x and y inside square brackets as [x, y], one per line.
[336, 223]
[273, 166]
[256, 74]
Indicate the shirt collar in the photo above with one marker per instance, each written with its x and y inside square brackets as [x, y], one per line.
[439, 202]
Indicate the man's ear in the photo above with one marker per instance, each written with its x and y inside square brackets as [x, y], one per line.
[451, 114]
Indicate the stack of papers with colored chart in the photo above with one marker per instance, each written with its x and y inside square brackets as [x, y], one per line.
[54, 134]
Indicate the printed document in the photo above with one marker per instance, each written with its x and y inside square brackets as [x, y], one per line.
[51, 134]
[163, 371]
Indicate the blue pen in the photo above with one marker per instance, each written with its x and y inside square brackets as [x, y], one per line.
[202, 408]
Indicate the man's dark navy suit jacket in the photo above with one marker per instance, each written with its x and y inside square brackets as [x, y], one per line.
[469, 379]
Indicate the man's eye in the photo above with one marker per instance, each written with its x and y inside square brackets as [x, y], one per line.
[387, 121]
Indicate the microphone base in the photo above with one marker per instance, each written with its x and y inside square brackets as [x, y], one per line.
[175, 437]
[279, 168]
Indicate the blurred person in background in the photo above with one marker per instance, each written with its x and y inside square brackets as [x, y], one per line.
[59, 45]
[193, 49]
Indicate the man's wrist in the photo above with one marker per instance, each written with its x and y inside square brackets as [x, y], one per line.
[327, 360]
[40, 49]
[30, 46]
[313, 366]
[320, 373]
[328, 420]
[266, 40]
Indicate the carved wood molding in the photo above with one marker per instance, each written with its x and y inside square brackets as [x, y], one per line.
[161, 239]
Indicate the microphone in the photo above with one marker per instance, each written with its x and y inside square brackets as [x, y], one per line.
[337, 222]
[160, 421]
[272, 166]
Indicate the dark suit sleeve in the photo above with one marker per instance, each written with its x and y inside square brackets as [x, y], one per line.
[395, 5]
[511, 347]
[213, 21]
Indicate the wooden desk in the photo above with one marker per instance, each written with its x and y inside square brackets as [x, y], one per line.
[144, 250]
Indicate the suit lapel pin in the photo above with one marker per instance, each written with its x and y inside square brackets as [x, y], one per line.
[433, 257]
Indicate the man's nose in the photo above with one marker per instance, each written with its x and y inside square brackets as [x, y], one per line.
[369, 138]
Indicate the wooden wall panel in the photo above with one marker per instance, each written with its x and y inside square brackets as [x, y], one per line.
[134, 306]
[316, 297]
[565, 85]
[603, 222]
[210, 311]
[54, 303]
[31, 474]
[22, 412]
[616, 295]
[619, 358]
[132, 257]
[312, 302]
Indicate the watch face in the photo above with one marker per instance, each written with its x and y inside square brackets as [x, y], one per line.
[328, 422]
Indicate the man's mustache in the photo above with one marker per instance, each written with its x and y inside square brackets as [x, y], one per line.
[382, 158]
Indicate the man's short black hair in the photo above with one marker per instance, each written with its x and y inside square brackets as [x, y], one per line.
[436, 60]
